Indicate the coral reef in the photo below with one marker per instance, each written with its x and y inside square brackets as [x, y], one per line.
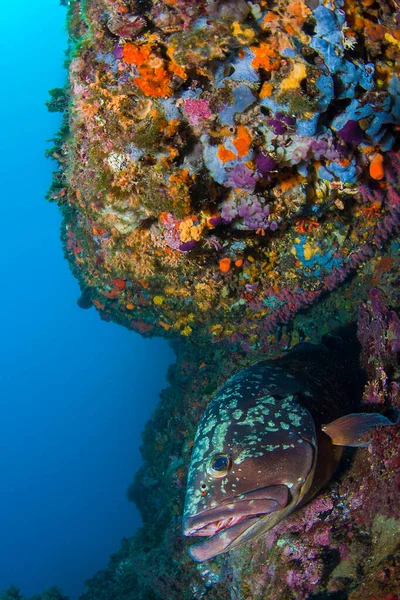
[226, 163]
[379, 335]
[229, 177]
[343, 545]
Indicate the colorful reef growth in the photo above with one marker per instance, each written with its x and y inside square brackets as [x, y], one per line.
[343, 545]
[224, 164]
[229, 178]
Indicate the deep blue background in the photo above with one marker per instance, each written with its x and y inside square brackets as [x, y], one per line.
[75, 392]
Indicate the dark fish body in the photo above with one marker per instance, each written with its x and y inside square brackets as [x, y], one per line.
[260, 450]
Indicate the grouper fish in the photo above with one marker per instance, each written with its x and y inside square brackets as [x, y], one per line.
[270, 438]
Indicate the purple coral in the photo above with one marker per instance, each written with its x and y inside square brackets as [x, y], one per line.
[351, 133]
[265, 163]
[254, 214]
[323, 147]
[242, 177]
[187, 246]
[118, 51]
[228, 211]
[281, 124]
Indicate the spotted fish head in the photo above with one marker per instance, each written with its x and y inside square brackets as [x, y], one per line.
[252, 463]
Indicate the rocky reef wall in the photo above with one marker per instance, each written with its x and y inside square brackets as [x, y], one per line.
[228, 174]
[223, 165]
[343, 545]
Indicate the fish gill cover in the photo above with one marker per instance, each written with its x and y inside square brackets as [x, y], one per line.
[222, 166]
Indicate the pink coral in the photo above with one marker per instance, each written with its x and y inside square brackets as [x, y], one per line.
[196, 110]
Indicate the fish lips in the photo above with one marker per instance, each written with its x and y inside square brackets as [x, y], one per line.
[230, 520]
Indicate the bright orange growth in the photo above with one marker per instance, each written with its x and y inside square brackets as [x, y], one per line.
[243, 141]
[287, 184]
[376, 169]
[372, 211]
[239, 262]
[225, 264]
[173, 66]
[179, 183]
[154, 73]
[119, 284]
[269, 18]
[306, 225]
[136, 55]
[153, 82]
[177, 70]
[266, 90]
[299, 11]
[224, 154]
[265, 57]
[97, 230]
[180, 176]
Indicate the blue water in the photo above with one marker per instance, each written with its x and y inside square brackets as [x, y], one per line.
[75, 392]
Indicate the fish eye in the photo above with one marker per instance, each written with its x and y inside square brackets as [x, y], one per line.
[219, 465]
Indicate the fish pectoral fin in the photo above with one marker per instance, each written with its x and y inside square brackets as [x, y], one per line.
[355, 429]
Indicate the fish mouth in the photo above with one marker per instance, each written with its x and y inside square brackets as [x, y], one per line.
[232, 519]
